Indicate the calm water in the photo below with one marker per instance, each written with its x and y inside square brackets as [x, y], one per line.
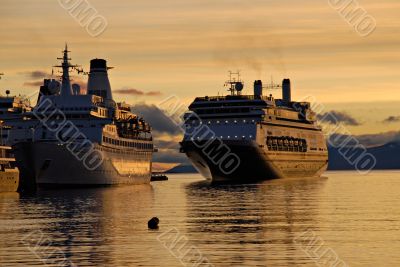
[356, 217]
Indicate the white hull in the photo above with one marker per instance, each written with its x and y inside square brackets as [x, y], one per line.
[49, 163]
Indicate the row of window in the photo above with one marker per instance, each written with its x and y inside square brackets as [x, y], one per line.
[68, 109]
[226, 137]
[130, 144]
[286, 143]
[226, 121]
[223, 111]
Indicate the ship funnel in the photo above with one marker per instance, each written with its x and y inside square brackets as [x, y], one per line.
[98, 83]
[258, 88]
[286, 91]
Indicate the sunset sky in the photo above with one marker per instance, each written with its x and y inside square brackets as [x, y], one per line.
[185, 48]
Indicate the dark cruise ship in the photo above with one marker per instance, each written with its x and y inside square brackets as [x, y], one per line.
[78, 138]
[244, 138]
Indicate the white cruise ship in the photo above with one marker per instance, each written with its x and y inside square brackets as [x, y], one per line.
[81, 139]
[244, 138]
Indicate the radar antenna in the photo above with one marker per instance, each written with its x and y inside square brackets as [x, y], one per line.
[272, 85]
[234, 83]
[66, 66]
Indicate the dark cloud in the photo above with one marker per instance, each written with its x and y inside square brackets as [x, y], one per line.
[36, 74]
[158, 120]
[334, 117]
[391, 119]
[168, 150]
[166, 144]
[33, 83]
[170, 156]
[133, 91]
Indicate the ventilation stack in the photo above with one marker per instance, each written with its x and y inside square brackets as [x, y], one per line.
[286, 91]
[258, 89]
[76, 89]
[98, 82]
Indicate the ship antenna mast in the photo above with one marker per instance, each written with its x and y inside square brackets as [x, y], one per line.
[272, 85]
[66, 89]
[234, 83]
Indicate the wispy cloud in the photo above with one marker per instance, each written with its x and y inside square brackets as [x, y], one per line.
[332, 117]
[391, 119]
[33, 83]
[133, 91]
[36, 74]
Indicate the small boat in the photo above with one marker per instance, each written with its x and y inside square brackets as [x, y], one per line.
[9, 174]
[155, 177]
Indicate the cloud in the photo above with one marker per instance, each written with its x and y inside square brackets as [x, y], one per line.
[391, 119]
[133, 91]
[36, 74]
[334, 117]
[33, 83]
[158, 120]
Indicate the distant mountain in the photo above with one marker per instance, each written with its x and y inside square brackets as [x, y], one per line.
[387, 156]
[182, 168]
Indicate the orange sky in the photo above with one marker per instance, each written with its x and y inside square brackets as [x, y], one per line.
[186, 48]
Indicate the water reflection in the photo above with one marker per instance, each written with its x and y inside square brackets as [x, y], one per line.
[80, 223]
[252, 224]
[232, 225]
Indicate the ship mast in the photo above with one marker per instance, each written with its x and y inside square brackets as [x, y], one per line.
[66, 89]
[235, 83]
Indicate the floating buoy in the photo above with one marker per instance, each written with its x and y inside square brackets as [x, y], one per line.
[153, 223]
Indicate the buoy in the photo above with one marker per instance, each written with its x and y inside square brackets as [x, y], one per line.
[153, 223]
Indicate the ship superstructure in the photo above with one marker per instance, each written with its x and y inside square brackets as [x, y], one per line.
[9, 174]
[76, 138]
[13, 107]
[254, 137]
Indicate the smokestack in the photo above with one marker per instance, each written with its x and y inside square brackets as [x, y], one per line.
[98, 83]
[258, 90]
[286, 91]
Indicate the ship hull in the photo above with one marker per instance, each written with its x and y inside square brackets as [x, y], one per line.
[49, 164]
[256, 164]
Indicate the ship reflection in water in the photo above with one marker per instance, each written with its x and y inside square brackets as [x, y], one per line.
[231, 225]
